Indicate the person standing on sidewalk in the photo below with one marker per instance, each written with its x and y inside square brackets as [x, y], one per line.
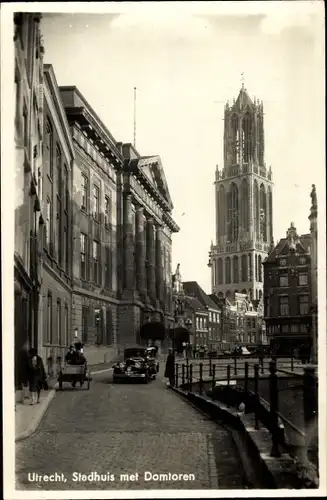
[170, 368]
[36, 375]
[23, 371]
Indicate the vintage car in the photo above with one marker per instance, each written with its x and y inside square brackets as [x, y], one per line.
[139, 363]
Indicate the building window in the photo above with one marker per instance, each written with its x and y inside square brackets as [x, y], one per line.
[95, 255]
[58, 232]
[66, 325]
[66, 194]
[107, 267]
[85, 186]
[85, 313]
[304, 304]
[48, 149]
[49, 319]
[283, 280]
[303, 279]
[96, 202]
[48, 225]
[303, 328]
[107, 212]
[83, 256]
[58, 170]
[283, 306]
[59, 329]
[284, 328]
[65, 250]
[294, 328]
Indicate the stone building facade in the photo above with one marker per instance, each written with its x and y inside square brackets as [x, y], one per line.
[28, 167]
[145, 228]
[57, 172]
[244, 217]
[287, 293]
[95, 279]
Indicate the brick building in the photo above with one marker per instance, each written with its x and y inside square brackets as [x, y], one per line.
[244, 203]
[209, 327]
[287, 293]
[199, 316]
[28, 170]
[58, 164]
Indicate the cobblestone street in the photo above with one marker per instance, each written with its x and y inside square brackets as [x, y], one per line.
[127, 429]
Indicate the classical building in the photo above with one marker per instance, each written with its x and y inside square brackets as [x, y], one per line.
[314, 273]
[28, 171]
[243, 188]
[145, 228]
[57, 171]
[287, 293]
[209, 327]
[96, 188]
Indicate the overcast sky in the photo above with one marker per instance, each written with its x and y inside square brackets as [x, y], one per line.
[186, 63]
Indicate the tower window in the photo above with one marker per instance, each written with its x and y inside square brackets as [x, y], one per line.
[247, 138]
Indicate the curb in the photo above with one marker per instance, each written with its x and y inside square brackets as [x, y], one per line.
[279, 472]
[38, 417]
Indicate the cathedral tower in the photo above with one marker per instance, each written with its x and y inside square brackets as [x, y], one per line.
[243, 189]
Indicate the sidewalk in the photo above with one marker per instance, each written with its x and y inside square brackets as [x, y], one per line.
[28, 417]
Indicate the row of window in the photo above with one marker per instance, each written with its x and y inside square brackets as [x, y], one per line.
[303, 302]
[302, 280]
[214, 317]
[57, 202]
[93, 265]
[95, 202]
[201, 323]
[233, 268]
[301, 260]
[57, 329]
[293, 328]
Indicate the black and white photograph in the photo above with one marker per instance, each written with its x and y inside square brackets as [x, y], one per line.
[164, 249]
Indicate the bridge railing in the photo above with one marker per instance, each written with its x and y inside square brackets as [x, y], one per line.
[282, 395]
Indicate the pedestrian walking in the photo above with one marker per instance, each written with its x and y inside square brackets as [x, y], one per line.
[170, 368]
[23, 365]
[36, 375]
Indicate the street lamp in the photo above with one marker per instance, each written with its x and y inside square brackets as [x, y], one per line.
[188, 324]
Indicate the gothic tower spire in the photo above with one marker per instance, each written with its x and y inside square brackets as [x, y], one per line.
[243, 188]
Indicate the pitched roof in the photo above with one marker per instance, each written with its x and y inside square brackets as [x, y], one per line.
[282, 247]
[192, 288]
[193, 303]
[243, 100]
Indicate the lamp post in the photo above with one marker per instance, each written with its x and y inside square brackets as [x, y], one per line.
[188, 324]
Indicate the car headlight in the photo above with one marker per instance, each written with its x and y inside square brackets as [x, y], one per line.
[137, 365]
[121, 365]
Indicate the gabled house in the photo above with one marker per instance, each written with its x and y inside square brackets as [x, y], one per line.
[287, 291]
[193, 289]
